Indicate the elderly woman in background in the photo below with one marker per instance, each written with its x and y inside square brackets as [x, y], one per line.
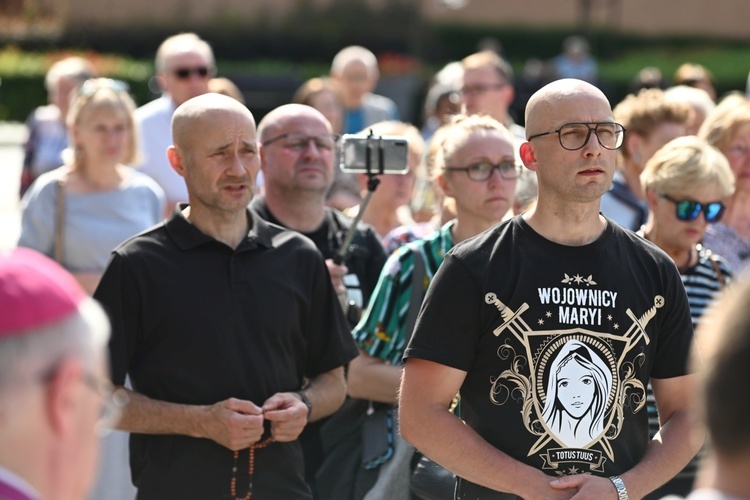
[80, 212]
[687, 183]
[727, 128]
[651, 121]
[48, 136]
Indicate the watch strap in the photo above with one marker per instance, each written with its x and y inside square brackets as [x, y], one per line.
[622, 491]
[306, 400]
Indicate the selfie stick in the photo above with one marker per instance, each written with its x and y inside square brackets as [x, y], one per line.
[372, 184]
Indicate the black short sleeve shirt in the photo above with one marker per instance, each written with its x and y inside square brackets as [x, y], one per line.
[558, 343]
[196, 322]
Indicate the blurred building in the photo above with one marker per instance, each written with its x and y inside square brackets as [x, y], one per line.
[726, 18]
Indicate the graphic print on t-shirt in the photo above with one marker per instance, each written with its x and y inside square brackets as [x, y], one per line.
[574, 383]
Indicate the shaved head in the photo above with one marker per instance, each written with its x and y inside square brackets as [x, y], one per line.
[551, 95]
[280, 117]
[200, 109]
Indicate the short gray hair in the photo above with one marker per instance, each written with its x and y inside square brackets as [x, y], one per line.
[354, 53]
[180, 42]
[83, 334]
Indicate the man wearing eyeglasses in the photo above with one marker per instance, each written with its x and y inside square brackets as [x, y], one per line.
[297, 153]
[184, 65]
[550, 326]
[228, 327]
[487, 88]
[54, 392]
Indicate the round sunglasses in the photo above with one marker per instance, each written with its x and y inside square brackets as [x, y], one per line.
[690, 210]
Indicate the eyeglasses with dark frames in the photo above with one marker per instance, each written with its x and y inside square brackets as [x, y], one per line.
[184, 73]
[687, 210]
[482, 171]
[574, 136]
[299, 142]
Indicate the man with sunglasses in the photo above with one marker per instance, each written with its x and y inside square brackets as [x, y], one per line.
[184, 65]
[297, 151]
[54, 392]
[550, 325]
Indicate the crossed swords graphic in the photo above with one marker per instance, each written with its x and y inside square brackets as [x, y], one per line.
[513, 322]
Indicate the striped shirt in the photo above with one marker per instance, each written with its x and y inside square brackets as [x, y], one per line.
[703, 283]
[381, 332]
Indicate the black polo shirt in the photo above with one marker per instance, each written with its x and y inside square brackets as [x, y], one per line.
[196, 322]
[365, 257]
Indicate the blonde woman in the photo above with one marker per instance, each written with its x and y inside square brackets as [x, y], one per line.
[475, 165]
[80, 212]
[727, 128]
[686, 184]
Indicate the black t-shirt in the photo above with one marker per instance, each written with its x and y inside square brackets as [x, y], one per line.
[332, 446]
[364, 259]
[196, 322]
[558, 342]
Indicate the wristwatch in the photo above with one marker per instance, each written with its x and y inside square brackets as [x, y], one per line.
[622, 492]
[306, 400]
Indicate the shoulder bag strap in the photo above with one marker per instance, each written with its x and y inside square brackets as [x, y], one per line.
[714, 263]
[417, 292]
[59, 220]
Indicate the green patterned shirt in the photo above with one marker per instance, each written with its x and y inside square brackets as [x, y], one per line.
[381, 332]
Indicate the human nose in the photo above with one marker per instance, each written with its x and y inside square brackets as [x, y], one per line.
[311, 148]
[592, 144]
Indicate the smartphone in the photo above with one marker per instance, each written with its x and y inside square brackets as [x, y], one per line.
[353, 157]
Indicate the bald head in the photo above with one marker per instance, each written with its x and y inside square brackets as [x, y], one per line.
[552, 95]
[284, 116]
[195, 112]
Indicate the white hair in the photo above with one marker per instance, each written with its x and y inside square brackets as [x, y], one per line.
[84, 335]
[696, 97]
[351, 54]
[184, 42]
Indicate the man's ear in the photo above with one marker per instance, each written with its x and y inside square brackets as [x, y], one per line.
[62, 397]
[632, 145]
[528, 157]
[161, 82]
[175, 161]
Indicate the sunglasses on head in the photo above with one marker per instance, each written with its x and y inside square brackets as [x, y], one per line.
[184, 73]
[690, 210]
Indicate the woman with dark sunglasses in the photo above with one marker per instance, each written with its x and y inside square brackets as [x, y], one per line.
[686, 184]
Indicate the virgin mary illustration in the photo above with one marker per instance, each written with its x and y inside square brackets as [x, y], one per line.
[577, 390]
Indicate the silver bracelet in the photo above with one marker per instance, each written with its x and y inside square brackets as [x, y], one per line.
[622, 491]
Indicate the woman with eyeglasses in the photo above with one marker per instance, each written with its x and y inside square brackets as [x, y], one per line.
[78, 213]
[686, 184]
[475, 166]
[727, 128]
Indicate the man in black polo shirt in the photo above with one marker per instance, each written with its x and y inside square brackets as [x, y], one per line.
[297, 155]
[228, 327]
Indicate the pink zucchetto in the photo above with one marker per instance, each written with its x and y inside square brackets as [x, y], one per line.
[35, 291]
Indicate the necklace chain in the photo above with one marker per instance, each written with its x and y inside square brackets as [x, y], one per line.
[250, 469]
